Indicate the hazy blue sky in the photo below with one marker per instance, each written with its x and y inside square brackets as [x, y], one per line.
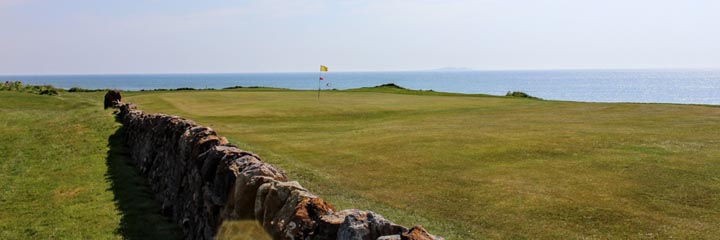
[158, 36]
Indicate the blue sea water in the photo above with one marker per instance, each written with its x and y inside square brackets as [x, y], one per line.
[647, 86]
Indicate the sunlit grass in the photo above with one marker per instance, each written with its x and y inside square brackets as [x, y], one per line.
[462, 166]
[63, 176]
[478, 166]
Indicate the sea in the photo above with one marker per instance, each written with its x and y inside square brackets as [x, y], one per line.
[641, 86]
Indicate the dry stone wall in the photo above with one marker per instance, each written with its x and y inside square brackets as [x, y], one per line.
[202, 180]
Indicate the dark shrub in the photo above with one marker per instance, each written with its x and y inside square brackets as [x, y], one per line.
[50, 92]
[233, 87]
[79, 89]
[389, 85]
[520, 94]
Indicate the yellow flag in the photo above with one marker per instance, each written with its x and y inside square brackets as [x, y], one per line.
[323, 68]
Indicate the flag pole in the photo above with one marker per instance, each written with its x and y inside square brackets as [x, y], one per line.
[319, 76]
[323, 68]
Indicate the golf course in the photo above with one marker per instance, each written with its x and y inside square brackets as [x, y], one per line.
[462, 166]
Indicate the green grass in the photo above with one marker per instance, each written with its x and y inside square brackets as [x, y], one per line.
[242, 230]
[475, 166]
[64, 174]
[463, 166]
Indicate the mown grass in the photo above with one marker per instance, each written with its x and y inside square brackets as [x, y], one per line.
[475, 167]
[64, 174]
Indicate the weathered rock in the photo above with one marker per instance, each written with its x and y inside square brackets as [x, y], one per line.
[112, 98]
[288, 211]
[356, 224]
[250, 173]
[202, 180]
[389, 237]
[418, 233]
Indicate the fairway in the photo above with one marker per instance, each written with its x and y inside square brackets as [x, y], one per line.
[471, 167]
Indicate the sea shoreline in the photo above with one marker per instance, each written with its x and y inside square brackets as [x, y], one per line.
[641, 86]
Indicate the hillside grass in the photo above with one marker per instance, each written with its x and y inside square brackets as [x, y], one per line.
[476, 167]
[64, 173]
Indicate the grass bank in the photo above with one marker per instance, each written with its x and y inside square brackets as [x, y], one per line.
[474, 166]
[64, 173]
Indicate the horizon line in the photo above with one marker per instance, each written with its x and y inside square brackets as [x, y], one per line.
[445, 69]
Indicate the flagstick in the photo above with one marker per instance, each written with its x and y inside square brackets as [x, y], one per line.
[319, 76]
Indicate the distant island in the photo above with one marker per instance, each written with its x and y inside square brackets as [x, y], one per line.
[452, 69]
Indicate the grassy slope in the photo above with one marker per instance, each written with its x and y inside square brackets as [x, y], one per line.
[64, 174]
[482, 167]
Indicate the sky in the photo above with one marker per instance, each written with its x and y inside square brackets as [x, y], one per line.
[163, 36]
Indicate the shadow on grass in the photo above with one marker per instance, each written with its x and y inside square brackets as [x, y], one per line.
[141, 216]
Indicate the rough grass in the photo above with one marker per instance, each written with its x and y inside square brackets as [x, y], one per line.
[473, 166]
[37, 89]
[64, 174]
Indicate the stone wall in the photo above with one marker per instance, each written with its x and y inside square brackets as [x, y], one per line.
[202, 180]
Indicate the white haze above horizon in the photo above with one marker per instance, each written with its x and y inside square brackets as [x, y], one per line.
[162, 36]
